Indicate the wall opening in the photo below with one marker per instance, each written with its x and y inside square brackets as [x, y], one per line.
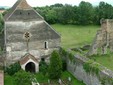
[20, 13]
[42, 59]
[30, 67]
[46, 45]
[28, 13]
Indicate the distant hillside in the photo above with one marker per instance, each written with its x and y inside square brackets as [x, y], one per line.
[4, 7]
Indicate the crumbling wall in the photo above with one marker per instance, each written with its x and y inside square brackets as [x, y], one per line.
[103, 39]
[76, 68]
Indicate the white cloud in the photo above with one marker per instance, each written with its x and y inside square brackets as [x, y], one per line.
[50, 2]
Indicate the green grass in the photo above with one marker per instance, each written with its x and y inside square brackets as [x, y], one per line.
[75, 36]
[105, 60]
[44, 79]
[41, 78]
[9, 80]
[66, 74]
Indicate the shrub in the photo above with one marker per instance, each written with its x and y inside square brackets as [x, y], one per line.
[22, 78]
[71, 57]
[91, 67]
[55, 68]
[64, 65]
[43, 68]
[12, 69]
[63, 52]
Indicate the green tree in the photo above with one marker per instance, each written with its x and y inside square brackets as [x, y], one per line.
[57, 5]
[75, 15]
[66, 14]
[55, 68]
[42, 11]
[85, 13]
[43, 67]
[105, 10]
[22, 78]
[1, 22]
[96, 19]
[51, 16]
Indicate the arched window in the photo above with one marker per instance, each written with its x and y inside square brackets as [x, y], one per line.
[46, 45]
[42, 59]
[20, 13]
[28, 13]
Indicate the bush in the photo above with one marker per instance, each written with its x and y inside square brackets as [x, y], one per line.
[64, 65]
[91, 67]
[55, 68]
[22, 78]
[12, 69]
[63, 52]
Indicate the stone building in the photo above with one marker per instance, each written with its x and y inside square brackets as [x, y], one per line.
[103, 42]
[28, 35]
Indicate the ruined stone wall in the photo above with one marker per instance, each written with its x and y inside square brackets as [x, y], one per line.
[103, 39]
[105, 76]
[39, 34]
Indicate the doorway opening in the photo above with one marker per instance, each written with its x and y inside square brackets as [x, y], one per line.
[30, 67]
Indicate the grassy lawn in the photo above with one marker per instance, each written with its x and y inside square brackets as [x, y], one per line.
[9, 80]
[105, 60]
[66, 74]
[74, 36]
[44, 79]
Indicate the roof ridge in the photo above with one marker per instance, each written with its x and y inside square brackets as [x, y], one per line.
[23, 5]
[26, 57]
[16, 6]
[11, 10]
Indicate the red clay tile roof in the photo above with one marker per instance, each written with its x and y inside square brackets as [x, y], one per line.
[26, 57]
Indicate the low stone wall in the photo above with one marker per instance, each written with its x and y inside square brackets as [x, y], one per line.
[76, 68]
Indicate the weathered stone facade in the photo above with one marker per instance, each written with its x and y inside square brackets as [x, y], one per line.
[103, 39]
[42, 38]
[104, 76]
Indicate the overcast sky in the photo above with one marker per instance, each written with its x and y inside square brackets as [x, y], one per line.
[35, 3]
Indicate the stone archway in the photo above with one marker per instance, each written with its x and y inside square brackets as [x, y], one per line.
[30, 67]
[29, 63]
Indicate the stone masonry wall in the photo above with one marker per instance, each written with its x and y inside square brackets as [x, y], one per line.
[40, 33]
[105, 76]
[103, 39]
